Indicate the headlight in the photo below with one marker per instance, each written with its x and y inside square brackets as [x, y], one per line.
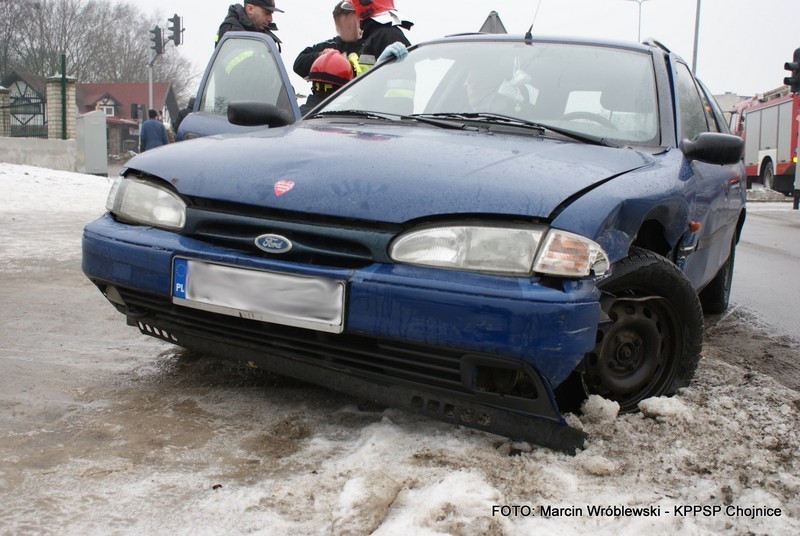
[505, 250]
[138, 201]
[501, 250]
[570, 255]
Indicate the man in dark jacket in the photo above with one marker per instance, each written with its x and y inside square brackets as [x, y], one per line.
[152, 133]
[253, 16]
[348, 38]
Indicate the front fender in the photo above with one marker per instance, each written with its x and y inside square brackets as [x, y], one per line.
[613, 213]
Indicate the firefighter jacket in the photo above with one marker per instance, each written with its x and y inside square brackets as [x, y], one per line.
[377, 36]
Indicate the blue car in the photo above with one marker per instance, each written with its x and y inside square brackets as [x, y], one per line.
[485, 231]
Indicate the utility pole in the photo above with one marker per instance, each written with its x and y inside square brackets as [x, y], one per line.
[639, 34]
[696, 36]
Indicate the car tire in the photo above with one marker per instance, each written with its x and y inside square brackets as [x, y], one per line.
[768, 175]
[714, 298]
[650, 345]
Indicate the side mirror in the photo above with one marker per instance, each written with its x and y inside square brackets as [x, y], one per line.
[254, 114]
[714, 148]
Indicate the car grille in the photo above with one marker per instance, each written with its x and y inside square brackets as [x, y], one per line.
[419, 364]
[315, 240]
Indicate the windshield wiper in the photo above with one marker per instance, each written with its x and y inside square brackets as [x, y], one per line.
[482, 117]
[422, 118]
[460, 120]
[579, 136]
[442, 121]
[355, 113]
[488, 117]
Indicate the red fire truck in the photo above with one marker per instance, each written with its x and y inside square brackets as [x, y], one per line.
[768, 124]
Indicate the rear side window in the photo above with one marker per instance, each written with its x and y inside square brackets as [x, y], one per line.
[690, 106]
[715, 113]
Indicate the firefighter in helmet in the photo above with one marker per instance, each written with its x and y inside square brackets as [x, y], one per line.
[330, 71]
[382, 31]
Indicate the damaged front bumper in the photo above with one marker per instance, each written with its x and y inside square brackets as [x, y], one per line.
[470, 349]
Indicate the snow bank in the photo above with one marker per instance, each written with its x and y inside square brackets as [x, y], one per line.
[174, 445]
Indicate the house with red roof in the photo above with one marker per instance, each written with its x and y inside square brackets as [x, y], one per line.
[125, 106]
[124, 103]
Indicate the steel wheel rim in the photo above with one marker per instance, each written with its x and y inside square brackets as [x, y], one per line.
[637, 354]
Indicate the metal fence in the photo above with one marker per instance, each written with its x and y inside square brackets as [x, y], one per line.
[26, 117]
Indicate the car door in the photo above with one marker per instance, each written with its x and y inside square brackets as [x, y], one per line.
[710, 245]
[245, 66]
[734, 188]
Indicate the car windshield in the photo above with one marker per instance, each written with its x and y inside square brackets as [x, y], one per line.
[600, 92]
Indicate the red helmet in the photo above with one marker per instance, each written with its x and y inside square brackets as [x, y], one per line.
[332, 68]
[369, 8]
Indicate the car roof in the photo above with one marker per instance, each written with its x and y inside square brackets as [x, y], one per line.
[647, 46]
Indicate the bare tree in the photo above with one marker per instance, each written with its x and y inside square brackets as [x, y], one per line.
[121, 53]
[48, 29]
[102, 41]
[9, 33]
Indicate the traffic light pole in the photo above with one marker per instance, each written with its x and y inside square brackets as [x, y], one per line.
[176, 36]
[796, 200]
[794, 85]
[157, 48]
[150, 81]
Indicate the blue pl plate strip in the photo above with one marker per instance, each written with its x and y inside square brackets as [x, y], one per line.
[180, 273]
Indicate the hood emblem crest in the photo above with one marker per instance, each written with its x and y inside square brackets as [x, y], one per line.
[281, 187]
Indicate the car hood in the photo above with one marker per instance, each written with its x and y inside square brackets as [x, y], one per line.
[387, 172]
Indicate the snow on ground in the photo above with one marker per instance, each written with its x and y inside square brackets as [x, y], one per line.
[170, 446]
[760, 194]
[45, 195]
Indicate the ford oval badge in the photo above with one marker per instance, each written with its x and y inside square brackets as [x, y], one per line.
[272, 243]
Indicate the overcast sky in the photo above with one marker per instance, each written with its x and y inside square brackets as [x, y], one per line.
[742, 47]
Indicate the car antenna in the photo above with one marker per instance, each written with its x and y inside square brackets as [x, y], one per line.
[529, 33]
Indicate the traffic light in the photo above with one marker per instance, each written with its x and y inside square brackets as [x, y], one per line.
[794, 66]
[176, 32]
[158, 40]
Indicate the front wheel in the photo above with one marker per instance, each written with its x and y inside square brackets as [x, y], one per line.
[650, 344]
[715, 297]
[768, 176]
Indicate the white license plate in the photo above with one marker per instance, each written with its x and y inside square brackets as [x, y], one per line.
[292, 300]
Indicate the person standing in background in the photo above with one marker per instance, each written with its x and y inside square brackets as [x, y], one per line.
[182, 115]
[152, 133]
[170, 135]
